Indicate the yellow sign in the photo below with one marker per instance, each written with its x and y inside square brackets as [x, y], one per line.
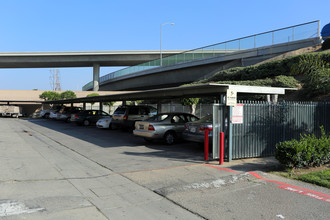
[231, 97]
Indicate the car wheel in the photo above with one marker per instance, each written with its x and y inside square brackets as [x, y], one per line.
[46, 115]
[170, 138]
[68, 120]
[86, 123]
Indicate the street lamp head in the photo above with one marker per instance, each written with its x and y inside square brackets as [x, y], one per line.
[167, 23]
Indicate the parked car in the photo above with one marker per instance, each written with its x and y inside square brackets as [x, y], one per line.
[65, 114]
[88, 117]
[195, 131]
[63, 109]
[53, 114]
[166, 126]
[46, 113]
[104, 123]
[126, 116]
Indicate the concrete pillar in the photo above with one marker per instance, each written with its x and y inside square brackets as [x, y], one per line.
[272, 98]
[96, 77]
[159, 107]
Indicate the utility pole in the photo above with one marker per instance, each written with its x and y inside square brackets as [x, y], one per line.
[55, 80]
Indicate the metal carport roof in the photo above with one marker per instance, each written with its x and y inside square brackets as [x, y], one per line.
[177, 92]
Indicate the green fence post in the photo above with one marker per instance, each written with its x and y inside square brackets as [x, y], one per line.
[230, 134]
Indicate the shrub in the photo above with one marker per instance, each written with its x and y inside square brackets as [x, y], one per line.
[284, 67]
[285, 81]
[278, 81]
[308, 151]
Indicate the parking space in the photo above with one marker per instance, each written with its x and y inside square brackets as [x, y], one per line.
[56, 170]
[118, 149]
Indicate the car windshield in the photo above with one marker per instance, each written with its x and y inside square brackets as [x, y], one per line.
[160, 117]
[120, 111]
[206, 119]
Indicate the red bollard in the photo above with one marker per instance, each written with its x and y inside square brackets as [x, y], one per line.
[221, 148]
[206, 144]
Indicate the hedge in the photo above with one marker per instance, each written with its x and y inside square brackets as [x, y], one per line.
[308, 151]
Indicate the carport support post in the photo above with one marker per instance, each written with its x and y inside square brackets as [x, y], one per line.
[159, 107]
[96, 77]
[84, 105]
[101, 106]
[230, 134]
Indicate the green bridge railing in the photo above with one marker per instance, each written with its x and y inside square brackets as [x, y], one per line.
[283, 35]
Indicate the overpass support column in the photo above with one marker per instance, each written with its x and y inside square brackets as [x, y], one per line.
[96, 77]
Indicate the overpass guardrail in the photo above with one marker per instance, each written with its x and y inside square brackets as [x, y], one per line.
[283, 35]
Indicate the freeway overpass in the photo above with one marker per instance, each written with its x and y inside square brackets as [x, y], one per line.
[202, 62]
[79, 58]
[177, 67]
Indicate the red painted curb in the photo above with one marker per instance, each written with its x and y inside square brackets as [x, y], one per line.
[296, 189]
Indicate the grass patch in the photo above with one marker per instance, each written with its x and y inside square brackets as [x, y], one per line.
[316, 175]
[321, 178]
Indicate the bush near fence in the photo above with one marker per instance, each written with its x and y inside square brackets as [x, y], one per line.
[307, 152]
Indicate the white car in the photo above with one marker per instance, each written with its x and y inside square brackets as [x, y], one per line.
[53, 114]
[104, 123]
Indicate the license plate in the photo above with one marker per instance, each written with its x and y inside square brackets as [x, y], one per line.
[141, 127]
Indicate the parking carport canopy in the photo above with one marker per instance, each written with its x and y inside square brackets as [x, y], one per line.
[210, 89]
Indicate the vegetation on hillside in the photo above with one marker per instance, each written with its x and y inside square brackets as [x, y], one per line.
[309, 71]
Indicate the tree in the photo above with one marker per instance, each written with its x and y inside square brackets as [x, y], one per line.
[50, 96]
[92, 94]
[109, 104]
[68, 95]
[191, 102]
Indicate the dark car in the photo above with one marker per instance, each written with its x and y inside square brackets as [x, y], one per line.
[88, 117]
[126, 116]
[195, 131]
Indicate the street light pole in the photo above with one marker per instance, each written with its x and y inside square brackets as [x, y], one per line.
[161, 33]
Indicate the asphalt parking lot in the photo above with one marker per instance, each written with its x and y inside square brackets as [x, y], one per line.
[56, 170]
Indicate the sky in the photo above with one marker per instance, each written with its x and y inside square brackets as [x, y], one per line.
[116, 25]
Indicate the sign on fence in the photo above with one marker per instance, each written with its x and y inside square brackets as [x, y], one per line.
[237, 116]
[231, 97]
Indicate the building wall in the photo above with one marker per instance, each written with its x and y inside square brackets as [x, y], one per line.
[31, 95]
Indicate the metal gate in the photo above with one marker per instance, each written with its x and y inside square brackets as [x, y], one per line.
[265, 124]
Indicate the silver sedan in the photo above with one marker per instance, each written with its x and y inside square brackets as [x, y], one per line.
[166, 126]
